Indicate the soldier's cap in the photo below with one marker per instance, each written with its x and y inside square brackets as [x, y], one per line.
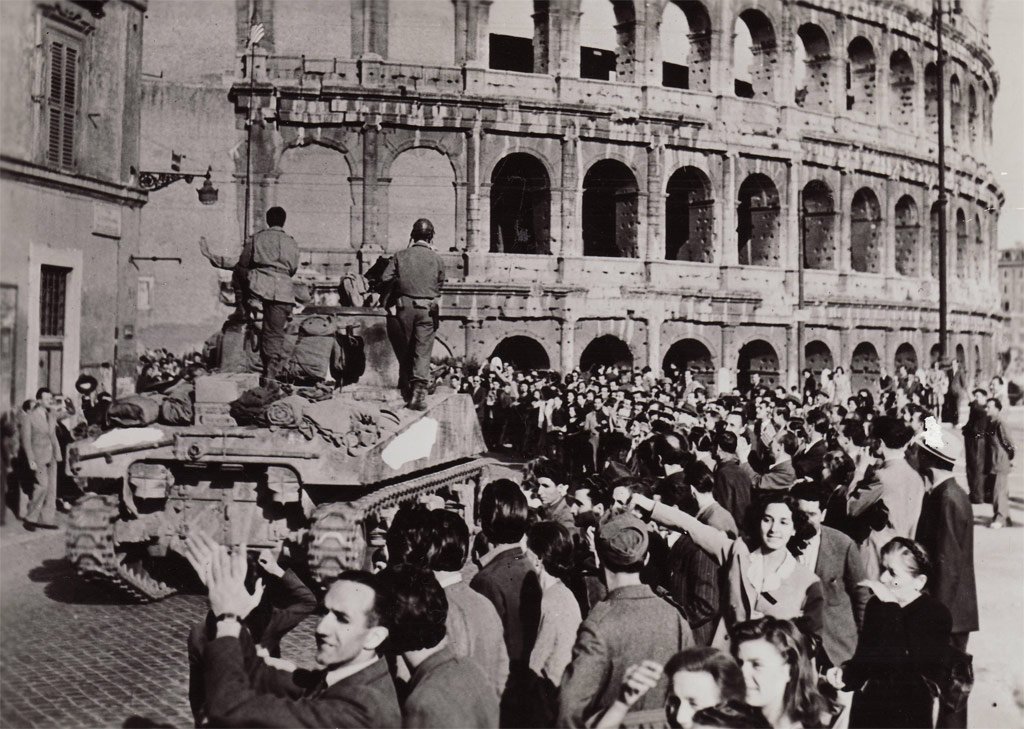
[622, 541]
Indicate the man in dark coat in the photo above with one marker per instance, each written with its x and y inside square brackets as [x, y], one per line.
[946, 530]
[732, 481]
[416, 276]
[810, 458]
[998, 462]
[974, 445]
[352, 688]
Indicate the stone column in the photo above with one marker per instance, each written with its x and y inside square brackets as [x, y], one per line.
[462, 53]
[370, 139]
[568, 41]
[654, 248]
[572, 244]
[567, 345]
[792, 356]
[477, 45]
[474, 238]
[791, 257]
[729, 254]
[845, 200]
[472, 328]
[889, 223]
[654, 322]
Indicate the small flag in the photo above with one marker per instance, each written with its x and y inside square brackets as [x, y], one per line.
[256, 33]
[176, 161]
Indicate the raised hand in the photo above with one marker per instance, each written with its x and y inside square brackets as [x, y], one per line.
[227, 591]
[199, 550]
[639, 679]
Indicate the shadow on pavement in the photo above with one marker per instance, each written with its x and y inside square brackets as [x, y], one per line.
[64, 585]
[144, 722]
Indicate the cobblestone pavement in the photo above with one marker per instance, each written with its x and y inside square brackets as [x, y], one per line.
[74, 655]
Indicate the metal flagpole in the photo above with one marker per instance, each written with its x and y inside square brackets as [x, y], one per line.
[942, 200]
[255, 34]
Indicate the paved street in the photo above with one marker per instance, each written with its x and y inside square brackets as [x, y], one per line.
[72, 655]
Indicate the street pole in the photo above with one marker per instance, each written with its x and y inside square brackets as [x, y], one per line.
[800, 291]
[942, 201]
[248, 142]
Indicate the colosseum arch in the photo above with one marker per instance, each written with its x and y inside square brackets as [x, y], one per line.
[931, 95]
[607, 350]
[962, 245]
[755, 55]
[860, 77]
[933, 228]
[865, 367]
[956, 109]
[757, 357]
[685, 37]
[757, 222]
[520, 205]
[972, 117]
[906, 356]
[689, 217]
[818, 217]
[692, 355]
[908, 234]
[865, 232]
[610, 210]
[902, 90]
[817, 357]
[517, 37]
[410, 21]
[522, 352]
[813, 87]
[313, 188]
[608, 40]
[422, 185]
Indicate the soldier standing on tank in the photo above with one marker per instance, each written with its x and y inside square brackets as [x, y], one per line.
[416, 276]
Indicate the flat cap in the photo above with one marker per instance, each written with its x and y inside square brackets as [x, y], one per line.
[622, 541]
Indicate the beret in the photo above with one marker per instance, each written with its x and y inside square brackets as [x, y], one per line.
[622, 541]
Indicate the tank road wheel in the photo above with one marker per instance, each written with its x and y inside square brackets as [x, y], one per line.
[337, 541]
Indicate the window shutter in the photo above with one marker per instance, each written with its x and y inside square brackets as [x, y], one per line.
[56, 73]
[53, 150]
[62, 106]
[70, 78]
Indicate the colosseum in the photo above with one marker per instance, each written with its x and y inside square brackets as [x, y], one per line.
[732, 185]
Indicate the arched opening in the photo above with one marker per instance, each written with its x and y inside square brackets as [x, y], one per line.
[961, 357]
[818, 215]
[935, 353]
[757, 222]
[519, 37]
[608, 40]
[907, 235]
[864, 366]
[689, 217]
[523, 353]
[314, 190]
[860, 77]
[906, 356]
[813, 61]
[980, 259]
[422, 186]
[410, 21]
[901, 90]
[972, 116]
[817, 357]
[692, 355]
[313, 28]
[606, 350]
[610, 210]
[758, 357]
[956, 109]
[961, 244]
[686, 46]
[931, 96]
[933, 225]
[865, 232]
[754, 56]
[520, 206]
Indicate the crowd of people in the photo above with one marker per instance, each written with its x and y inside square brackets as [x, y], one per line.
[770, 558]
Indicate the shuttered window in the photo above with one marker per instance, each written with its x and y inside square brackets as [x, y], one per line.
[62, 103]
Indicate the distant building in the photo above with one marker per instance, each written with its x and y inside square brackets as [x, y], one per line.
[1011, 295]
[69, 209]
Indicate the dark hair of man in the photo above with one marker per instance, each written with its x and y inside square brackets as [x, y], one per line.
[449, 541]
[982, 390]
[854, 430]
[995, 401]
[818, 422]
[408, 538]
[809, 491]
[671, 448]
[43, 391]
[841, 411]
[699, 477]
[731, 714]
[552, 544]
[503, 512]
[420, 609]
[716, 663]
[276, 217]
[382, 609]
[727, 442]
[841, 467]
[893, 432]
[789, 442]
[701, 439]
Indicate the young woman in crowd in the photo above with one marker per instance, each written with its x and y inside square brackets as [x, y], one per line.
[775, 658]
[903, 645]
[764, 575]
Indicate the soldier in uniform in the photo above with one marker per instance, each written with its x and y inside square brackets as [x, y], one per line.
[416, 276]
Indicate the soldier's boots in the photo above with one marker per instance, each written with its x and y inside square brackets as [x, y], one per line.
[418, 401]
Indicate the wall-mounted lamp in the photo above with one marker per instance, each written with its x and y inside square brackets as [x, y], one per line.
[152, 181]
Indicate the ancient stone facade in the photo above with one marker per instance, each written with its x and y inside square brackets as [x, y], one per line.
[761, 208]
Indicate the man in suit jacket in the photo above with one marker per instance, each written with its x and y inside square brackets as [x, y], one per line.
[781, 476]
[41, 452]
[836, 561]
[810, 458]
[353, 687]
[1000, 454]
[946, 530]
[631, 625]
[974, 445]
[732, 481]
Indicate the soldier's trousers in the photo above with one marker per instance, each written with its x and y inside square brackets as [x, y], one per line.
[411, 331]
[272, 340]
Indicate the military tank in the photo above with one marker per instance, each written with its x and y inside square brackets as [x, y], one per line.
[326, 489]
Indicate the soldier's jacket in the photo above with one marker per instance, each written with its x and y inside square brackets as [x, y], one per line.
[275, 259]
[416, 272]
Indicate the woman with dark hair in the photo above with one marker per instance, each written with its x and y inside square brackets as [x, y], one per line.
[549, 549]
[775, 658]
[902, 648]
[764, 576]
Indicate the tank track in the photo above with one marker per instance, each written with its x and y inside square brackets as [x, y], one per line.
[337, 541]
[90, 548]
